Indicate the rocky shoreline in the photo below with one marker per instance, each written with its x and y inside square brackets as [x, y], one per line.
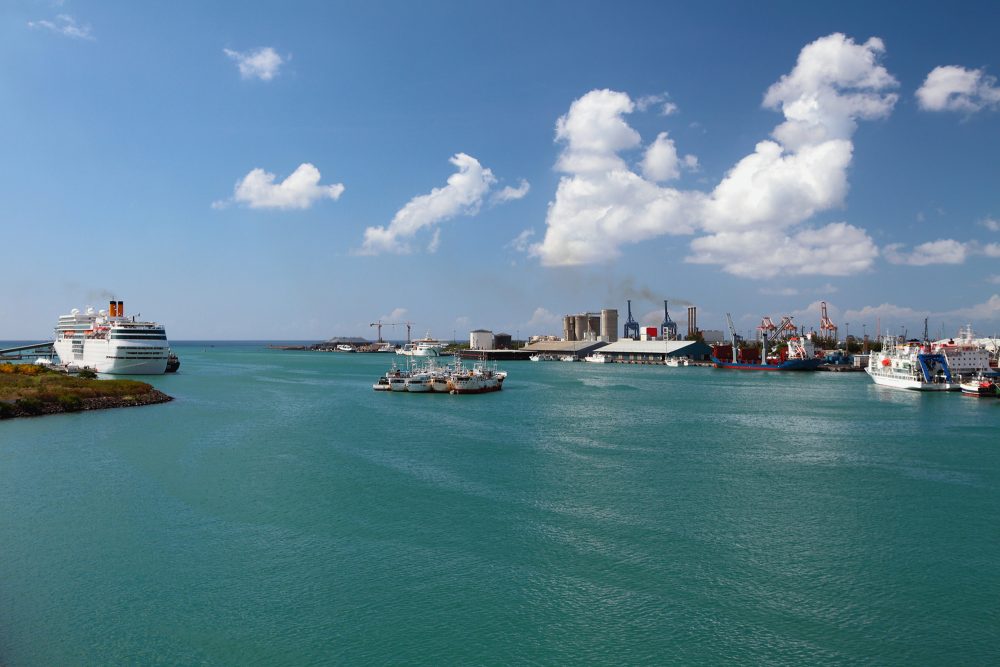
[13, 410]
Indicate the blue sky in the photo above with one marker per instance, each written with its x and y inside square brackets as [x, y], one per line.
[299, 170]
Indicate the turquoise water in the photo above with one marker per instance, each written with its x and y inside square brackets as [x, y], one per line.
[281, 512]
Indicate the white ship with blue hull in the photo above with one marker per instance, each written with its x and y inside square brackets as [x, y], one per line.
[108, 342]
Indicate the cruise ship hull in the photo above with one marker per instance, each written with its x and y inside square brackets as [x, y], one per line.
[114, 357]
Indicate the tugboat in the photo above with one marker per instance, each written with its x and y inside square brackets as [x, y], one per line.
[173, 362]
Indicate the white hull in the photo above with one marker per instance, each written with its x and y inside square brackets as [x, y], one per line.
[114, 357]
[908, 383]
[596, 359]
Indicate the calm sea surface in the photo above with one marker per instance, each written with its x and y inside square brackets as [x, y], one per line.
[281, 512]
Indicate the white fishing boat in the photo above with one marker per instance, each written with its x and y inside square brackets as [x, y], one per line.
[676, 362]
[108, 342]
[910, 365]
[981, 386]
[481, 379]
[544, 356]
[569, 357]
[597, 358]
[418, 383]
[346, 348]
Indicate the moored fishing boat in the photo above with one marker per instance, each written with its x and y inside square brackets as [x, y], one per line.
[597, 358]
[981, 386]
[479, 380]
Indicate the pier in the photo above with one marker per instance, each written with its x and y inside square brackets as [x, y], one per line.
[32, 351]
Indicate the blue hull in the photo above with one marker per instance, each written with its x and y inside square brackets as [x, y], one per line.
[790, 365]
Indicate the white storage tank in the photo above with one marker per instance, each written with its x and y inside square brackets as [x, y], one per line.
[481, 339]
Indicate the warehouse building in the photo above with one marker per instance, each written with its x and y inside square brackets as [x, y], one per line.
[655, 351]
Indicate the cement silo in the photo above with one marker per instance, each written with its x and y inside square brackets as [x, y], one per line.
[609, 325]
[580, 322]
[569, 330]
[593, 326]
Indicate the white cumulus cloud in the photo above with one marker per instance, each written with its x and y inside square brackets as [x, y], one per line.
[753, 218]
[511, 193]
[991, 224]
[64, 25]
[661, 162]
[988, 310]
[954, 88]
[942, 251]
[300, 190]
[837, 249]
[262, 63]
[463, 195]
[542, 322]
[990, 249]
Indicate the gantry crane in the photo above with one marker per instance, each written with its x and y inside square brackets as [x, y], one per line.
[825, 323]
[379, 324]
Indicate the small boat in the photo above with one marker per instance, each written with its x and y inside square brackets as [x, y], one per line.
[597, 358]
[569, 357]
[346, 348]
[675, 362]
[980, 386]
[173, 362]
[382, 384]
[479, 380]
[418, 383]
[544, 356]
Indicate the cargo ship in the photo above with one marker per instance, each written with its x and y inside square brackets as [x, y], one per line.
[798, 355]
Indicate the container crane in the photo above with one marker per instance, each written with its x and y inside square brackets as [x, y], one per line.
[631, 329]
[825, 323]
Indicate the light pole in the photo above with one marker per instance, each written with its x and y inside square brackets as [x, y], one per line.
[847, 336]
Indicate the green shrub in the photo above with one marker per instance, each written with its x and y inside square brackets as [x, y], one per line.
[70, 403]
[87, 374]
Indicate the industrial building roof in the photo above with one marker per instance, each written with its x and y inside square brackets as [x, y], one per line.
[564, 346]
[672, 347]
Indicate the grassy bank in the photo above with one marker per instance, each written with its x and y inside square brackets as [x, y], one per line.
[28, 390]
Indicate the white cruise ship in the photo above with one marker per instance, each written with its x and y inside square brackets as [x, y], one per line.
[910, 365]
[108, 342]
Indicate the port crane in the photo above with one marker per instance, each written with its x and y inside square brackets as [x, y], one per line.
[379, 324]
[825, 323]
[631, 328]
[736, 337]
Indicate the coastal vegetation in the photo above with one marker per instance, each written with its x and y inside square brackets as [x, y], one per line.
[27, 390]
